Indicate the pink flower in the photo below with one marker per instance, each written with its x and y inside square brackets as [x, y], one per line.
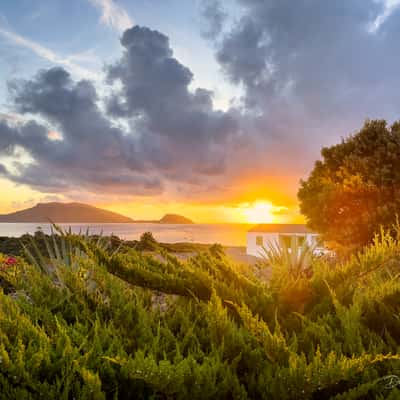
[10, 261]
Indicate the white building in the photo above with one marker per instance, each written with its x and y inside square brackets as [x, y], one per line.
[259, 236]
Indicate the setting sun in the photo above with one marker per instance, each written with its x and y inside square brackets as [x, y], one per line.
[260, 212]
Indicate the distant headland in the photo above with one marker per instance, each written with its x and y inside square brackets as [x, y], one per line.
[66, 213]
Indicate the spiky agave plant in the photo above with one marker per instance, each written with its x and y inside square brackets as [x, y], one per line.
[296, 259]
[64, 250]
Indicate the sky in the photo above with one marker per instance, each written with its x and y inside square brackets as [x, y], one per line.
[211, 109]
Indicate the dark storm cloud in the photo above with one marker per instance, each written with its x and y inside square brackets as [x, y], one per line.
[317, 55]
[6, 139]
[215, 18]
[175, 122]
[90, 152]
[170, 133]
[311, 72]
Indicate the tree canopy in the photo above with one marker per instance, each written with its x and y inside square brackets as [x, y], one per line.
[355, 189]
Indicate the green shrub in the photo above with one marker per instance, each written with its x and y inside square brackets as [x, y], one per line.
[82, 320]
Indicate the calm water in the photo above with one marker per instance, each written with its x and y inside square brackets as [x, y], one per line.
[225, 234]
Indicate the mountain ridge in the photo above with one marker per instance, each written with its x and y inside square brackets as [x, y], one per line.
[78, 213]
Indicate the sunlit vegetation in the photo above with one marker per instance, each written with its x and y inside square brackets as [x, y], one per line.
[353, 190]
[293, 259]
[15, 246]
[81, 318]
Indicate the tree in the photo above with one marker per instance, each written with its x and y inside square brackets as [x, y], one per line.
[355, 189]
[147, 242]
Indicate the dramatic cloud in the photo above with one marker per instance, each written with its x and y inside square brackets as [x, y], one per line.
[169, 132]
[92, 153]
[3, 170]
[312, 71]
[215, 17]
[155, 96]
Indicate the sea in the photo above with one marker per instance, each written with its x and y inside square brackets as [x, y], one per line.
[224, 234]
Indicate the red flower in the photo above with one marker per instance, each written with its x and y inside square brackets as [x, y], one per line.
[10, 261]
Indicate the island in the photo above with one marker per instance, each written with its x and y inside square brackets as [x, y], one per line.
[67, 213]
[174, 219]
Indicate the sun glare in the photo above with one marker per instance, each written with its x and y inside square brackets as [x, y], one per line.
[260, 212]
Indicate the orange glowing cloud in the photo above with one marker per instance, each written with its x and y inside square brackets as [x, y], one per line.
[54, 135]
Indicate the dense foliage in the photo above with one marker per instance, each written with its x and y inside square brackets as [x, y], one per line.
[355, 189]
[82, 322]
[15, 246]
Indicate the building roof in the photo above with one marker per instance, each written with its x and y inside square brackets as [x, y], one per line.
[281, 228]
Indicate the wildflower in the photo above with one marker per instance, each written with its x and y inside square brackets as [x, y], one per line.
[10, 261]
[7, 263]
